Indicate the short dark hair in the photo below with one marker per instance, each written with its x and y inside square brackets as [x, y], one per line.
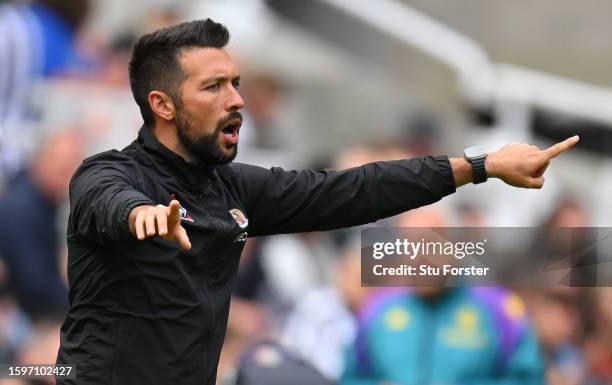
[155, 66]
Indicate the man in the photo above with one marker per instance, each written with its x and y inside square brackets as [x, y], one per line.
[143, 310]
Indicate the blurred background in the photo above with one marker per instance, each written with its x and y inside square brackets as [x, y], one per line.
[329, 83]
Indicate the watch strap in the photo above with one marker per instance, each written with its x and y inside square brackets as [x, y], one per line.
[478, 168]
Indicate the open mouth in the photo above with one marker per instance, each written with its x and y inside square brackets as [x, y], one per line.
[231, 131]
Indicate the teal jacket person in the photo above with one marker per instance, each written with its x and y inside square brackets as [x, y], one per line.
[475, 336]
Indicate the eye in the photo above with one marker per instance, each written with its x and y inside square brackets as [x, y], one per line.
[213, 87]
[236, 84]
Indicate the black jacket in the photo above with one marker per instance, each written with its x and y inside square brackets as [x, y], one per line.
[147, 312]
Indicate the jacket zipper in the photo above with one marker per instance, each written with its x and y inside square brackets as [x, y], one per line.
[212, 305]
[211, 327]
[212, 332]
[427, 342]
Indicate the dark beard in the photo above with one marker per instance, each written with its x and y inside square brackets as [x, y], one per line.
[206, 148]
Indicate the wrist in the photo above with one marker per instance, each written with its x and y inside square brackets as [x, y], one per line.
[462, 171]
[492, 165]
[476, 156]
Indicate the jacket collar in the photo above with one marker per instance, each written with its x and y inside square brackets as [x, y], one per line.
[148, 140]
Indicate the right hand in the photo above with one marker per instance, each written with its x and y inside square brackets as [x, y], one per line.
[148, 221]
[523, 165]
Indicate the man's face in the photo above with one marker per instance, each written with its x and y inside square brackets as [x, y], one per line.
[207, 121]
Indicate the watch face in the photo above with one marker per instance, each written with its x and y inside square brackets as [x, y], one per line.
[474, 152]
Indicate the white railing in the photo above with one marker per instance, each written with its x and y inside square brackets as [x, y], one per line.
[483, 82]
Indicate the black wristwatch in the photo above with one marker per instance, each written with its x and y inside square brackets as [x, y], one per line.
[476, 155]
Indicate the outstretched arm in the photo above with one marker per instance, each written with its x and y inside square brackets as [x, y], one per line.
[106, 204]
[279, 201]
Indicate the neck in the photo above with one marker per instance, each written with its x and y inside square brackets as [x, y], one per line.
[166, 135]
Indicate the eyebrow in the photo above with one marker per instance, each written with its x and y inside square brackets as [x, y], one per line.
[220, 78]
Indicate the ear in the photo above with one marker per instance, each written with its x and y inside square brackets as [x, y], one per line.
[161, 105]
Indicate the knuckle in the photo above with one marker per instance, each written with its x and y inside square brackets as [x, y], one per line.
[537, 184]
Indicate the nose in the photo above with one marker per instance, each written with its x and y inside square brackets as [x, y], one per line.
[235, 101]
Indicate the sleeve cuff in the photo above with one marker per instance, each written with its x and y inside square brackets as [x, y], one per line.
[447, 180]
[131, 202]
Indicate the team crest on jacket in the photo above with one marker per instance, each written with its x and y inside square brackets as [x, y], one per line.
[240, 218]
[183, 211]
[185, 215]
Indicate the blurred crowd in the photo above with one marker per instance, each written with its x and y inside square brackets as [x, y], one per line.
[299, 312]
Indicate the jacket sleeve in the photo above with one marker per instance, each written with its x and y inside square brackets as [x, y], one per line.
[519, 360]
[351, 375]
[279, 201]
[524, 366]
[102, 194]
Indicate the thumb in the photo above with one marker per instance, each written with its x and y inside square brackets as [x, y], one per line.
[537, 182]
[540, 171]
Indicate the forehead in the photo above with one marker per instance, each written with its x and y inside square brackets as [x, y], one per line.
[201, 63]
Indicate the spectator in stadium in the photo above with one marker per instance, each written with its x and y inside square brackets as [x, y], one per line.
[268, 363]
[29, 238]
[598, 344]
[556, 311]
[557, 321]
[264, 140]
[38, 40]
[322, 325]
[143, 309]
[14, 324]
[262, 93]
[445, 336]
[437, 335]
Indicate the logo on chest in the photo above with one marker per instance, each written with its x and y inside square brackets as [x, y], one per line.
[185, 216]
[242, 237]
[467, 331]
[240, 218]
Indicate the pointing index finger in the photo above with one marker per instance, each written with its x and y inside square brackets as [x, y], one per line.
[173, 209]
[560, 147]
